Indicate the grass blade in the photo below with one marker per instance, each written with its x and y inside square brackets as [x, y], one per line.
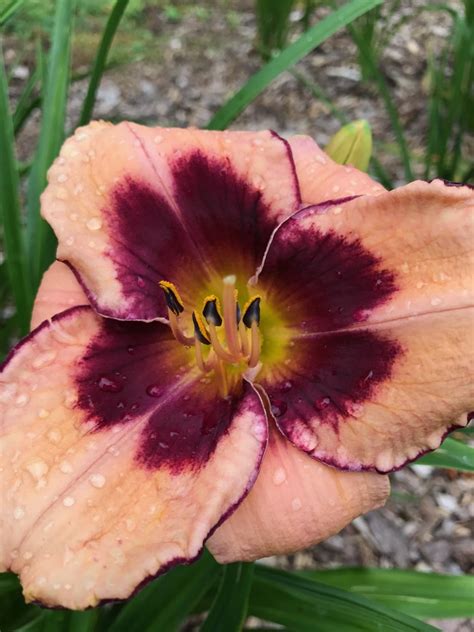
[371, 64]
[166, 602]
[451, 454]
[101, 60]
[297, 603]
[424, 595]
[287, 58]
[10, 212]
[229, 610]
[7, 12]
[41, 242]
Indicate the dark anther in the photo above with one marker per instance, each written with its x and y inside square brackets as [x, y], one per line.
[211, 311]
[173, 299]
[252, 312]
[200, 330]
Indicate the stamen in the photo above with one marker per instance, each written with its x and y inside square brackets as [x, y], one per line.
[202, 364]
[230, 324]
[221, 377]
[244, 341]
[254, 344]
[218, 348]
[252, 311]
[212, 310]
[200, 330]
[176, 329]
[173, 299]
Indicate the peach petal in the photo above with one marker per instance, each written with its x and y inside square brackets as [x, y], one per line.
[295, 503]
[72, 524]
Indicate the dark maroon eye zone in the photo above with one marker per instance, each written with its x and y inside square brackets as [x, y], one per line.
[216, 222]
[330, 377]
[136, 372]
[322, 281]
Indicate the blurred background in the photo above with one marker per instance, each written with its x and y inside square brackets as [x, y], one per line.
[406, 66]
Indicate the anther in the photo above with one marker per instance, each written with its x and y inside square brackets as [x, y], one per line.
[200, 330]
[173, 299]
[252, 312]
[212, 311]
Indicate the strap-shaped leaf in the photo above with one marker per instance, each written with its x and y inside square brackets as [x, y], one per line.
[229, 609]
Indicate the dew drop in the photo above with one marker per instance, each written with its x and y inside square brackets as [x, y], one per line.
[278, 408]
[18, 513]
[65, 467]
[154, 390]
[69, 241]
[436, 301]
[97, 480]
[62, 177]
[130, 349]
[279, 476]
[94, 223]
[163, 445]
[27, 555]
[37, 469]
[22, 400]
[296, 504]
[68, 501]
[54, 436]
[43, 359]
[109, 385]
[140, 282]
[157, 139]
[286, 386]
[323, 402]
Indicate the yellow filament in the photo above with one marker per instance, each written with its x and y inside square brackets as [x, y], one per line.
[202, 365]
[244, 341]
[221, 375]
[255, 345]
[229, 300]
[218, 348]
[176, 329]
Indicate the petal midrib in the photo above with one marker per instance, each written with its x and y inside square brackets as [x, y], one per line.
[382, 324]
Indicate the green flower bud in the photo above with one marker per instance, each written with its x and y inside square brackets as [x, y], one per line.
[352, 145]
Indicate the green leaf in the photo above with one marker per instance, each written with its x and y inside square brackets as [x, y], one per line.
[10, 212]
[287, 58]
[165, 603]
[41, 240]
[424, 595]
[101, 60]
[7, 12]
[451, 454]
[300, 604]
[15, 615]
[229, 610]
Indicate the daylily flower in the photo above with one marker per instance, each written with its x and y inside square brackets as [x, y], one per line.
[237, 289]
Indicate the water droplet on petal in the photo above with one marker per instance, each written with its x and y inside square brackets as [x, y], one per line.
[296, 504]
[37, 469]
[44, 359]
[68, 501]
[54, 436]
[140, 282]
[94, 223]
[65, 467]
[22, 400]
[279, 476]
[109, 385]
[278, 408]
[97, 480]
[286, 386]
[19, 513]
[154, 390]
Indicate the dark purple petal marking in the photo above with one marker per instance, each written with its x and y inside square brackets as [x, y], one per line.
[224, 214]
[185, 431]
[328, 379]
[322, 281]
[218, 224]
[134, 370]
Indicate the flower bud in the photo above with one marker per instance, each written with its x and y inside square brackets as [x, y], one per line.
[352, 145]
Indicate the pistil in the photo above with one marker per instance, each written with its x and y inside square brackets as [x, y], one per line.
[230, 319]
